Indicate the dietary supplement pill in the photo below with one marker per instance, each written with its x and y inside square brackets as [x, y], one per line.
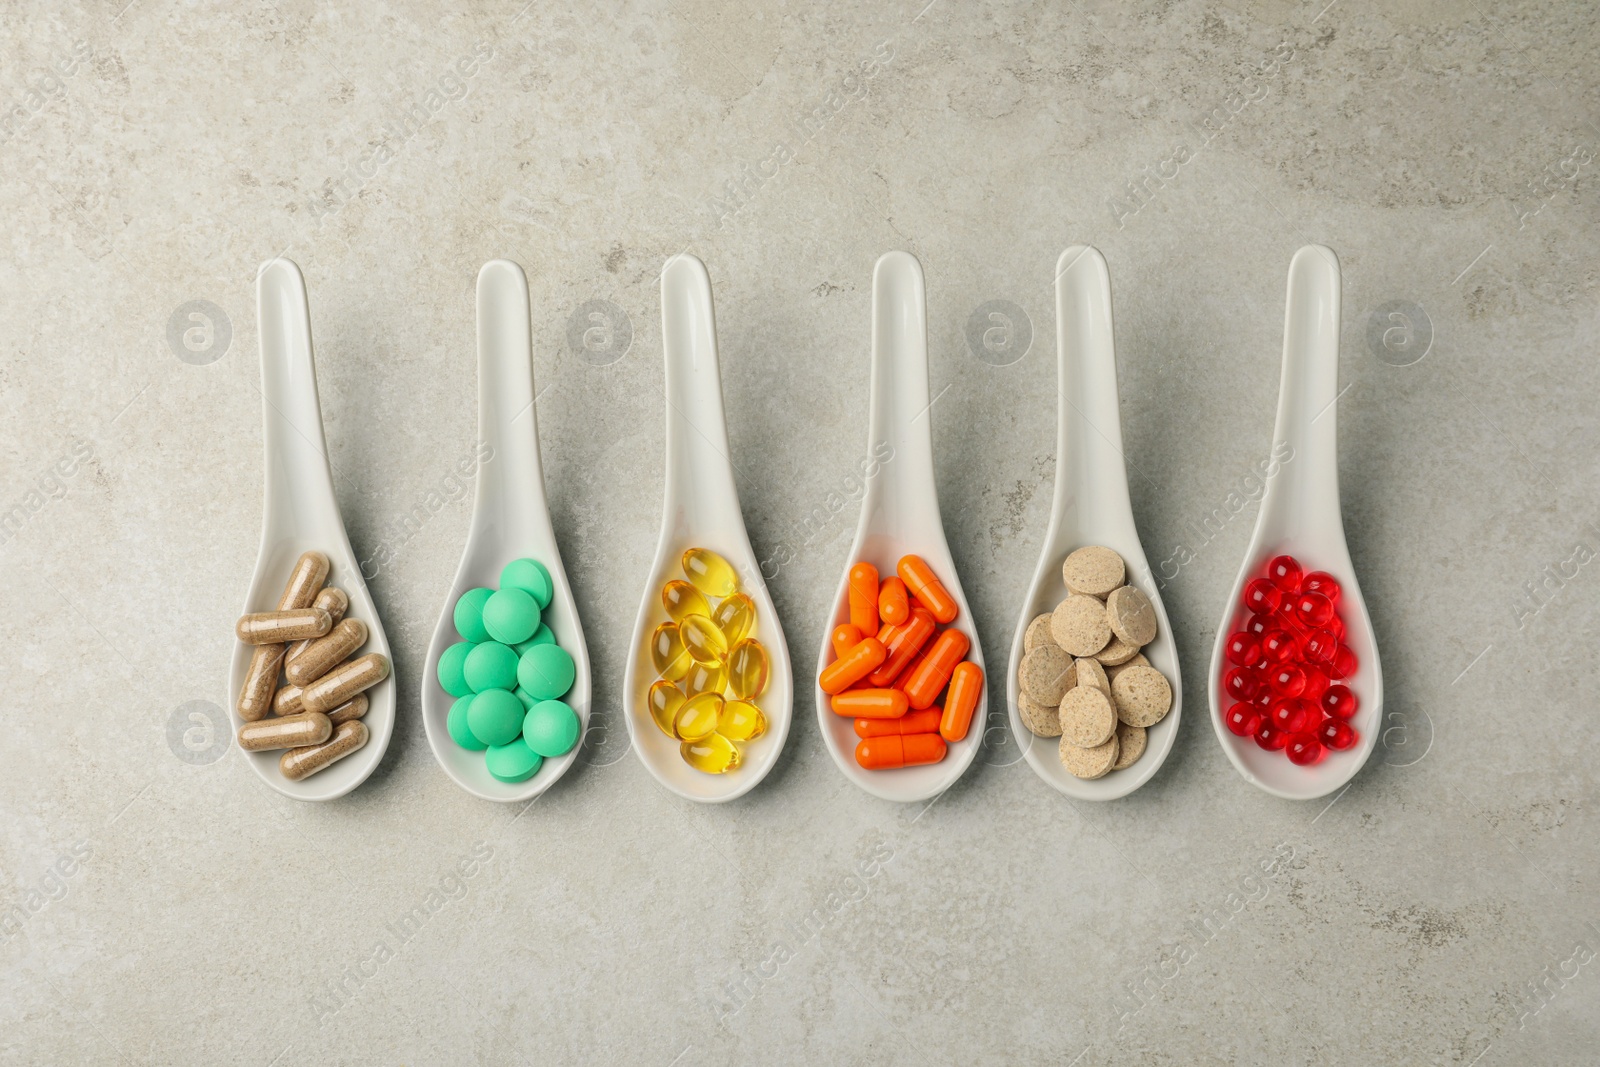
[513, 761]
[510, 616]
[468, 614]
[268, 627]
[300, 763]
[326, 652]
[292, 731]
[305, 580]
[530, 576]
[345, 681]
[546, 671]
[710, 573]
[551, 728]
[495, 716]
[456, 723]
[490, 665]
[260, 682]
[897, 750]
[335, 602]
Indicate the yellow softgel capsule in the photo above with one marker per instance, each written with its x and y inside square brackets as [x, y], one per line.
[697, 719]
[703, 640]
[671, 659]
[705, 678]
[741, 720]
[712, 755]
[665, 700]
[748, 669]
[682, 600]
[710, 573]
[734, 617]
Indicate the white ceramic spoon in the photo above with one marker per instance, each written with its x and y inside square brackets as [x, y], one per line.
[899, 516]
[1091, 507]
[701, 510]
[510, 520]
[302, 513]
[1300, 516]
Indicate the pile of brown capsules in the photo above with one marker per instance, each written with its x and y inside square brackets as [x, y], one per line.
[1083, 677]
[317, 714]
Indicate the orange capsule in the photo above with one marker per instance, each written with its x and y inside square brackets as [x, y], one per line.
[864, 597]
[893, 606]
[909, 750]
[905, 675]
[966, 683]
[903, 645]
[864, 657]
[927, 588]
[845, 637]
[870, 704]
[917, 722]
[924, 684]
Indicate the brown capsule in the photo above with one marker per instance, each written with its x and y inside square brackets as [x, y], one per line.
[350, 710]
[255, 696]
[333, 600]
[268, 627]
[290, 731]
[310, 571]
[327, 652]
[298, 763]
[345, 681]
[287, 701]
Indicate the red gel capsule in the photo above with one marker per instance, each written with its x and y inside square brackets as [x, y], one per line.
[1323, 584]
[1284, 572]
[1344, 663]
[1256, 625]
[1337, 734]
[1287, 680]
[1339, 702]
[1304, 749]
[1270, 737]
[1243, 720]
[1316, 684]
[1243, 648]
[1239, 684]
[1279, 646]
[1293, 715]
[1313, 609]
[1262, 597]
[1321, 646]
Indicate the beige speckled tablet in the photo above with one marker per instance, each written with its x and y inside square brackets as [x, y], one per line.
[1093, 570]
[1037, 633]
[1131, 615]
[1039, 718]
[1137, 661]
[1142, 696]
[1088, 762]
[1117, 651]
[1130, 745]
[1046, 673]
[1080, 626]
[1091, 673]
[1086, 717]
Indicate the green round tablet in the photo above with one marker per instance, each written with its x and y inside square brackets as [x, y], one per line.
[513, 761]
[541, 636]
[530, 576]
[452, 662]
[527, 698]
[495, 716]
[510, 616]
[490, 665]
[460, 732]
[469, 614]
[546, 671]
[550, 728]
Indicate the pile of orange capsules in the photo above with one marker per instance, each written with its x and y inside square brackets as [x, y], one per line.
[711, 666]
[891, 662]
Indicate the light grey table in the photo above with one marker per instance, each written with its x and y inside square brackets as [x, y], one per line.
[161, 908]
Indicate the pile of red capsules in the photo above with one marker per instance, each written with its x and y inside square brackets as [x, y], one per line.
[1288, 664]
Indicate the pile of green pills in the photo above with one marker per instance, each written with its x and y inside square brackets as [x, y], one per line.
[508, 675]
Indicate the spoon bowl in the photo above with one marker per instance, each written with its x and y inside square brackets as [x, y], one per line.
[301, 513]
[701, 510]
[900, 516]
[1091, 507]
[510, 520]
[1300, 516]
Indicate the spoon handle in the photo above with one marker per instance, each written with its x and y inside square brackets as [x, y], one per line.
[700, 490]
[1091, 472]
[1307, 488]
[299, 481]
[902, 417]
[510, 483]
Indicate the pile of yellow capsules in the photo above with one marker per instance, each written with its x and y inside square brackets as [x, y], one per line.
[711, 666]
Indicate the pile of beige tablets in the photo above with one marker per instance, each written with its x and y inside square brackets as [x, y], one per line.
[317, 715]
[1083, 678]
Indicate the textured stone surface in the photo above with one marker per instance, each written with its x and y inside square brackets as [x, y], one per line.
[1441, 911]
